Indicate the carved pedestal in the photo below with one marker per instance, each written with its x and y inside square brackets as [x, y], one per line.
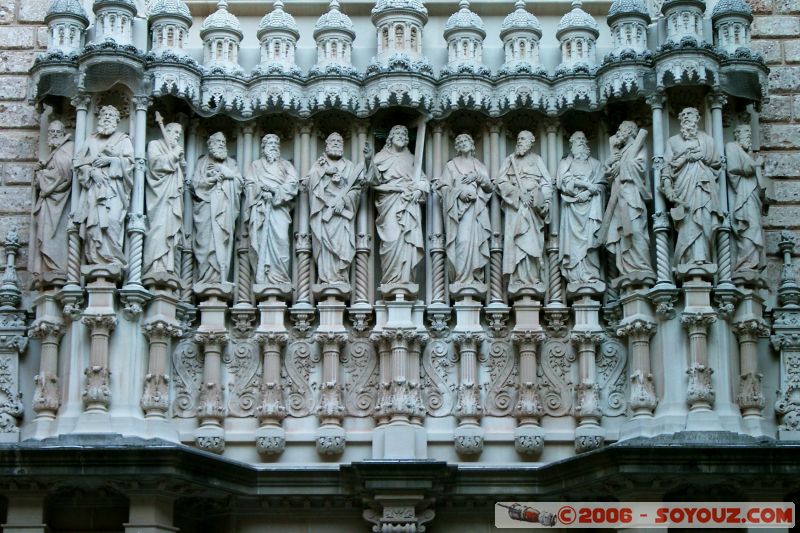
[529, 435]
[468, 337]
[786, 339]
[48, 328]
[213, 337]
[399, 411]
[586, 335]
[638, 325]
[332, 338]
[697, 316]
[160, 327]
[270, 411]
[100, 318]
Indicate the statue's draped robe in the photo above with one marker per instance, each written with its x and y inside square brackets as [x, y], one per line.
[523, 235]
[51, 209]
[164, 197]
[268, 220]
[399, 220]
[580, 220]
[467, 224]
[695, 187]
[627, 236]
[744, 177]
[105, 197]
[334, 239]
[214, 211]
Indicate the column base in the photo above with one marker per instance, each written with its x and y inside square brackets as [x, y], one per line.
[638, 426]
[400, 440]
[331, 439]
[93, 421]
[703, 420]
[40, 428]
[529, 439]
[468, 439]
[270, 440]
[210, 438]
[161, 428]
[757, 426]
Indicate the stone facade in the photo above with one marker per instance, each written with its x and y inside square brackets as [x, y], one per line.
[333, 238]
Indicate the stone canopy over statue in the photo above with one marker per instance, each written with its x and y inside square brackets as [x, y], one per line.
[466, 190]
[689, 181]
[526, 189]
[53, 184]
[104, 168]
[400, 189]
[216, 191]
[271, 184]
[334, 188]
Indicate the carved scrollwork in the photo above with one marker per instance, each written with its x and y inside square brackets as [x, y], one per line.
[188, 364]
[611, 362]
[243, 365]
[502, 378]
[360, 385]
[439, 382]
[300, 358]
[556, 360]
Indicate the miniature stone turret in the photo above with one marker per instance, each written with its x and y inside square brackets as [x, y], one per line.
[278, 34]
[399, 24]
[464, 33]
[731, 20]
[222, 34]
[170, 21]
[628, 20]
[520, 34]
[66, 26]
[577, 32]
[684, 19]
[114, 21]
[334, 36]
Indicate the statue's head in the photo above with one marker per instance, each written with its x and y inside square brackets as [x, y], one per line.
[579, 145]
[56, 133]
[271, 146]
[398, 137]
[465, 145]
[626, 132]
[107, 120]
[218, 146]
[743, 136]
[334, 146]
[689, 119]
[174, 132]
[525, 141]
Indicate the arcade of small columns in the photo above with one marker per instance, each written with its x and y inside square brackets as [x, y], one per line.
[395, 323]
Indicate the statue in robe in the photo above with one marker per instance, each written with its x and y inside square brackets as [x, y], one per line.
[526, 189]
[104, 168]
[216, 193]
[580, 181]
[466, 190]
[398, 196]
[164, 199]
[750, 190]
[689, 181]
[271, 184]
[334, 189]
[624, 230]
[53, 185]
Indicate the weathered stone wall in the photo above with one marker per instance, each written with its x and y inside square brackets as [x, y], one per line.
[776, 35]
[22, 36]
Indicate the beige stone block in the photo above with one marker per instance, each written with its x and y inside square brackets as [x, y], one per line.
[41, 37]
[761, 6]
[787, 6]
[16, 37]
[780, 136]
[18, 115]
[33, 10]
[17, 173]
[770, 50]
[7, 11]
[16, 62]
[22, 223]
[782, 165]
[787, 191]
[778, 109]
[783, 216]
[13, 87]
[19, 146]
[776, 26]
[791, 51]
[15, 199]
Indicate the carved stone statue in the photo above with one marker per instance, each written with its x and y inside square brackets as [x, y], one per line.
[466, 190]
[164, 196]
[51, 209]
[689, 181]
[216, 191]
[104, 167]
[624, 230]
[526, 190]
[334, 189]
[750, 187]
[271, 185]
[398, 198]
[580, 181]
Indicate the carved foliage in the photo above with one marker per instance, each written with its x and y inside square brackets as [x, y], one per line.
[243, 365]
[439, 379]
[611, 361]
[188, 364]
[360, 365]
[298, 364]
[556, 360]
[502, 378]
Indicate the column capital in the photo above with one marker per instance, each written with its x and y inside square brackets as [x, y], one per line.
[551, 125]
[81, 102]
[717, 100]
[657, 100]
[495, 125]
[142, 102]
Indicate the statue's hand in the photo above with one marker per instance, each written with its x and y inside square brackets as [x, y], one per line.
[584, 196]
[101, 162]
[469, 178]
[466, 196]
[41, 165]
[338, 207]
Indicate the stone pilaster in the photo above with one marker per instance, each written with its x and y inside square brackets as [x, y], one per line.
[270, 410]
[469, 407]
[529, 435]
[13, 342]
[588, 435]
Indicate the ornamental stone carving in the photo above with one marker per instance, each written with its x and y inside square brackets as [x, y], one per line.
[104, 168]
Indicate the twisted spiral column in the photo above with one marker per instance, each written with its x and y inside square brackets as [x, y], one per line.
[363, 245]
